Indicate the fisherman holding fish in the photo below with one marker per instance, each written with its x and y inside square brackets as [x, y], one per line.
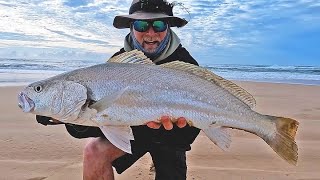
[150, 25]
[124, 102]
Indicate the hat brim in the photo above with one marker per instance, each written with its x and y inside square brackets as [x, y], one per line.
[123, 21]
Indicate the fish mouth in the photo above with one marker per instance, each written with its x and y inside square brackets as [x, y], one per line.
[25, 103]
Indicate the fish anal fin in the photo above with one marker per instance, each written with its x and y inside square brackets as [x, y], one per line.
[134, 56]
[219, 136]
[206, 74]
[119, 136]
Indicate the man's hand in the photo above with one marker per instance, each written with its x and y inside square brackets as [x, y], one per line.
[167, 124]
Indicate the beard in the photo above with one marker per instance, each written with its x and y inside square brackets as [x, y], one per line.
[150, 47]
[150, 44]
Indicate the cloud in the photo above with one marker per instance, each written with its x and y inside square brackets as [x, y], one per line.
[52, 24]
[86, 25]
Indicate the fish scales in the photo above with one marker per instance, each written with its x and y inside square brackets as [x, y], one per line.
[155, 90]
[129, 94]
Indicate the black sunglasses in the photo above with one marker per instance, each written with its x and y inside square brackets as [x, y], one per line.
[143, 26]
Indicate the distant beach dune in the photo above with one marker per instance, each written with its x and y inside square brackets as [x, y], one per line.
[30, 151]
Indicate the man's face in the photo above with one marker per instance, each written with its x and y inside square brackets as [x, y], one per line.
[150, 39]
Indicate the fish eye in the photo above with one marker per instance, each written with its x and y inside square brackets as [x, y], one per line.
[38, 88]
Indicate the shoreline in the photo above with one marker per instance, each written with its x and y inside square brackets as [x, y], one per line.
[32, 151]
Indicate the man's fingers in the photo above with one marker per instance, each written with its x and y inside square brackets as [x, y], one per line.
[181, 122]
[166, 122]
[153, 125]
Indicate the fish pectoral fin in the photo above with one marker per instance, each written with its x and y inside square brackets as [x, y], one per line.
[219, 136]
[119, 136]
[107, 101]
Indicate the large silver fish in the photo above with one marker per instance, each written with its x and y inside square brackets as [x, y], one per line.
[130, 90]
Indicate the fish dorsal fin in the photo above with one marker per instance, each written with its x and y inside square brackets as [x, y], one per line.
[231, 87]
[134, 56]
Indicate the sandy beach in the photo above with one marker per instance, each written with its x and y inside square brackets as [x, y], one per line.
[30, 151]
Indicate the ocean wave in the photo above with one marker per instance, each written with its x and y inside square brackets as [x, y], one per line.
[28, 70]
[27, 64]
[265, 68]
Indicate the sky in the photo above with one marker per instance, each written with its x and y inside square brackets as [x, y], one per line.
[266, 32]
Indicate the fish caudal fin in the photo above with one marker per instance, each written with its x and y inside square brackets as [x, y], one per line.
[219, 136]
[283, 142]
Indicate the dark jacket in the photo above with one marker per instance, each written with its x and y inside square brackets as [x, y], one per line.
[179, 138]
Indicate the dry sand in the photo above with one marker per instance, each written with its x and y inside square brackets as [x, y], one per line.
[31, 151]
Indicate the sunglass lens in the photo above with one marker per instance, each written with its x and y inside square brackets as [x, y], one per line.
[159, 26]
[140, 26]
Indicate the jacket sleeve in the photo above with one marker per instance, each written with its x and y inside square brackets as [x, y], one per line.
[119, 52]
[78, 131]
[185, 56]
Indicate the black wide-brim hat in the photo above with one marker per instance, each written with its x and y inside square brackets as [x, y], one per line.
[149, 10]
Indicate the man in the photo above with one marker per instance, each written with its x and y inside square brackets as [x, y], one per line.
[149, 22]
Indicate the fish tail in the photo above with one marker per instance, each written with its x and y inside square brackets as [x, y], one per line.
[283, 142]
